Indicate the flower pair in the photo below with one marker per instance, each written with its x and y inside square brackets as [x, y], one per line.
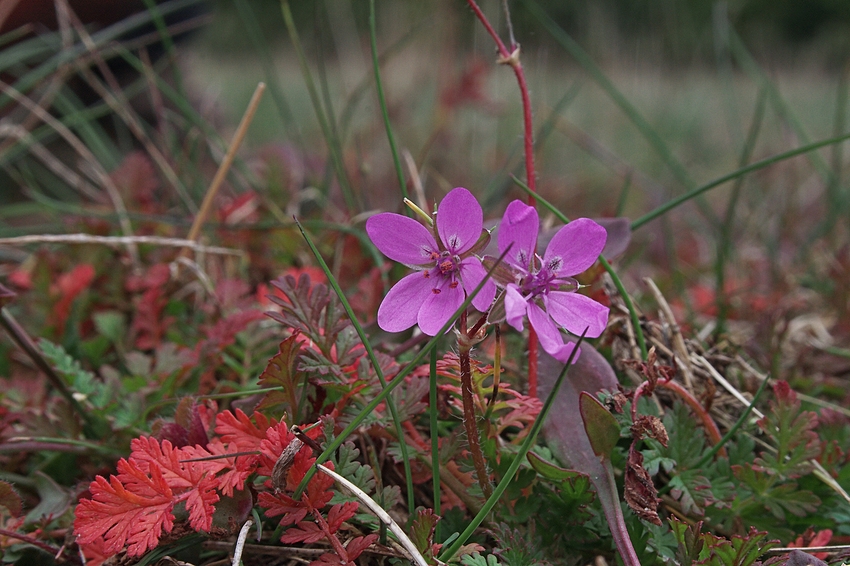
[447, 269]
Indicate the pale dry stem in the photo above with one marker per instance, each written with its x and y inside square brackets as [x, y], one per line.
[681, 356]
[220, 174]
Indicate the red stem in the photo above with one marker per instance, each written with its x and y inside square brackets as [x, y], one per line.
[49, 548]
[530, 176]
[332, 538]
[532, 362]
[469, 420]
[511, 57]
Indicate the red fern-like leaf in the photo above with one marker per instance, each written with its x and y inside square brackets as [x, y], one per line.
[133, 508]
[340, 513]
[231, 472]
[357, 545]
[281, 504]
[304, 531]
[195, 482]
[238, 431]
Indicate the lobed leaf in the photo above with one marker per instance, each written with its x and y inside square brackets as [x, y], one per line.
[422, 531]
[792, 432]
[132, 509]
[10, 499]
[281, 371]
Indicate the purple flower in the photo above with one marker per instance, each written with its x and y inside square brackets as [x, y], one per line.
[543, 289]
[446, 269]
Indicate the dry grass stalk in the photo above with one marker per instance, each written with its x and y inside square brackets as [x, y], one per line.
[117, 241]
[241, 130]
[364, 498]
[681, 356]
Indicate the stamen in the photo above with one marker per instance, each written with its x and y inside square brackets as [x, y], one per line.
[453, 285]
[436, 291]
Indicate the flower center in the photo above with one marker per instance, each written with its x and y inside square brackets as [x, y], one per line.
[543, 280]
[446, 266]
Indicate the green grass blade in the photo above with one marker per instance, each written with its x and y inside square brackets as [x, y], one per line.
[751, 67]
[101, 39]
[738, 424]
[724, 241]
[167, 43]
[357, 93]
[498, 187]
[382, 101]
[333, 147]
[629, 109]
[372, 358]
[90, 132]
[673, 203]
[435, 438]
[255, 34]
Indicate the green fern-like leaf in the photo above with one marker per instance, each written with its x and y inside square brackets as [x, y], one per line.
[85, 386]
[792, 433]
[477, 559]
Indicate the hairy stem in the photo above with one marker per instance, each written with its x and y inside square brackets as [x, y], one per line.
[469, 413]
[31, 540]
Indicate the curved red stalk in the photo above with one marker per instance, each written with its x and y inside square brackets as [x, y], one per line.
[707, 422]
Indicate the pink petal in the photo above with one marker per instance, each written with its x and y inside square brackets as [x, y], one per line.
[548, 334]
[575, 247]
[401, 239]
[399, 309]
[515, 306]
[459, 220]
[519, 227]
[471, 274]
[439, 307]
[576, 312]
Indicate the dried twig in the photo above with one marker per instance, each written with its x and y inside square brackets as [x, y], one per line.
[206, 206]
[725, 383]
[240, 542]
[117, 241]
[682, 356]
[364, 498]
